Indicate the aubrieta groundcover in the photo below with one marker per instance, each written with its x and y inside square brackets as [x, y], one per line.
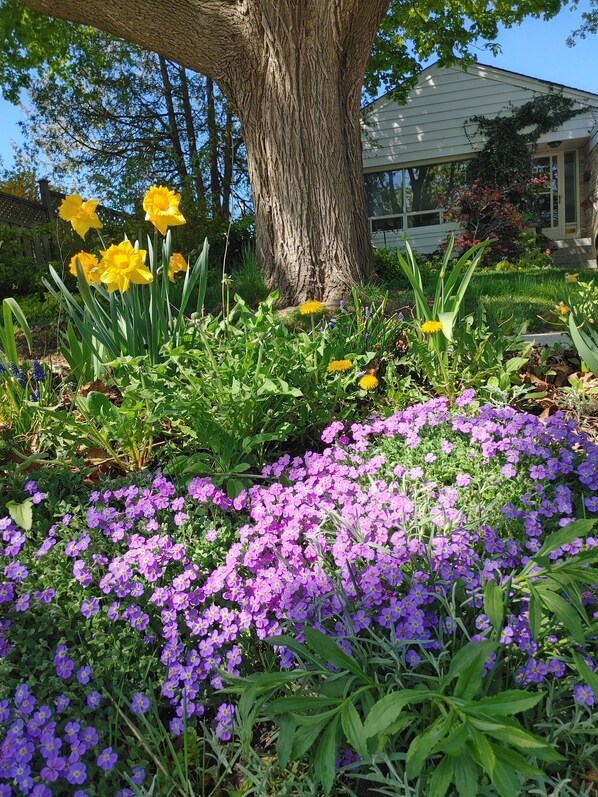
[406, 540]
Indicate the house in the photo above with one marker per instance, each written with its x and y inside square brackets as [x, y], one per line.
[414, 154]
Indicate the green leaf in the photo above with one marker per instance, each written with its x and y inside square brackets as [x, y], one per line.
[284, 745]
[511, 701]
[325, 758]
[468, 664]
[421, 747]
[564, 611]
[578, 528]
[327, 648]
[534, 613]
[466, 775]
[387, 709]
[481, 751]
[586, 344]
[304, 738]
[284, 705]
[353, 728]
[494, 604]
[516, 736]
[441, 777]
[22, 514]
[588, 675]
[505, 780]
[515, 760]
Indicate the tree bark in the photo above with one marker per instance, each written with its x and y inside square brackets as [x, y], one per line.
[293, 70]
[213, 138]
[200, 191]
[173, 127]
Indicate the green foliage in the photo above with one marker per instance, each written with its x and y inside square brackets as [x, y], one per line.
[136, 322]
[583, 321]
[20, 274]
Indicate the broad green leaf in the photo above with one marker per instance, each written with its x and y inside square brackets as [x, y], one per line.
[466, 775]
[578, 528]
[441, 777]
[284, 705]
[467, 655]
[534, 613]
[494, 604]
[518, 737]
[515, 760]
[417, 753]
[564, 611]
[589, 676]
[353, 728]
[22, 514]
[329, 651]
[512, 701]
[387, 709]
[471, 668]
[284, 745]
[586, 344]
[304, 738]
[505, 780]
[481, 751]
[325, 758]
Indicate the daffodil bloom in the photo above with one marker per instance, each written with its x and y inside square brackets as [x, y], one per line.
[122, 265]
[176, 263]
[368, 382]
[562, 308]
[338, 366]
[570, 277]
[311, 308]
[161, 207]
[90, 266]
[431, 327]
[82, 215]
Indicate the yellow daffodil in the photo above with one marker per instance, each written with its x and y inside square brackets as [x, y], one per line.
[122, 265]
[570, 277]
[161, 207]
[368, 382]
[431, 327]
[562, 308]
[311, 308]
[90, 266]
[176, 263]
[338, 366]
[82, 215]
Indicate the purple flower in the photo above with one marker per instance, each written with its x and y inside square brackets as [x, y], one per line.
[106, 759]
[90, 607]
[137, 775]
[583, 694]
[140, 703]
[93, 700]
[77, 773]
[83, 675]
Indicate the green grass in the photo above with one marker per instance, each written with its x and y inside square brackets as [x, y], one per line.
[528, 297]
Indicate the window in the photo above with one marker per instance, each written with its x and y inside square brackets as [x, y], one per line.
[411, 197]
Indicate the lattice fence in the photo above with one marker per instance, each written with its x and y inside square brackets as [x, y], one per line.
[19, 212]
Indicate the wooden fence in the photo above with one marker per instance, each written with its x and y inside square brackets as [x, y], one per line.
[24, 213]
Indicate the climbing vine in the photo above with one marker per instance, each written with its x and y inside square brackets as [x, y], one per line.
[501, 195]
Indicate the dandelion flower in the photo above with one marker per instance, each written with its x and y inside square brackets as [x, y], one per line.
[311, 308]
[122, 264]
[90, 266]
[82, 215]
[161, 207]
[338, 366]
[431, 327]
[176, 263]
[368, 382]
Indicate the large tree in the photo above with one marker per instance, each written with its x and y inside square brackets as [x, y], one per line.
[294, 70]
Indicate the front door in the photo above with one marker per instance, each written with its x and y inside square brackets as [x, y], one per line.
[558, 202]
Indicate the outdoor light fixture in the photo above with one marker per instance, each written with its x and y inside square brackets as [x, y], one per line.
[554, 144]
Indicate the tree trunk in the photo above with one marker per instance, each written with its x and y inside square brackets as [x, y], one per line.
[200, 191]
[294, 71]
[175, 140]
[213, 140]
[228, 156]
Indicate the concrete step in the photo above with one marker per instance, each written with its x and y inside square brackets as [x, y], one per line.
[567, 243]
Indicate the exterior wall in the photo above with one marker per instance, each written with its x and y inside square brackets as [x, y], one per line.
[590, 190]
[433, 127]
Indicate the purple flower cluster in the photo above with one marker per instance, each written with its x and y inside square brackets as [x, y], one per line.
[372, 534]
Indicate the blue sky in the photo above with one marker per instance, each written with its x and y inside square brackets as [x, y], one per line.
[535, 48]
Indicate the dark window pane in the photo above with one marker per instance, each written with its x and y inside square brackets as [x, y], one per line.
[423, 219]
[384, 191]
[426, 187]
[387, 225]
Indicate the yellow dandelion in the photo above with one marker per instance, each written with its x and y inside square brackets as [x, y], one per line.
[338, 366]
[90, 266]
[311, 308]
[368, 382]
[176, 263]
[82, 215]
[431, 327]
[570, 277]
[161, 207]
[562, 308]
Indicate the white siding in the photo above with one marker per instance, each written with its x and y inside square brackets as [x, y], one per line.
[421, 239]
[432, 124]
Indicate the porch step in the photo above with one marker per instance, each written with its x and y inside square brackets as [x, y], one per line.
[574, 253]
